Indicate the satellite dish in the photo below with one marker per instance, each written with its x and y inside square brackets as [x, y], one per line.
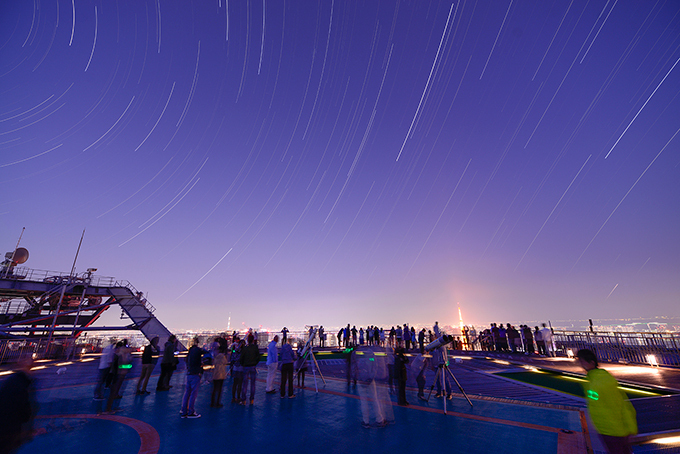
[20, 255]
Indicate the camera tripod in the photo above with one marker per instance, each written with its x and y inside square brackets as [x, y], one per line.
[441, 374]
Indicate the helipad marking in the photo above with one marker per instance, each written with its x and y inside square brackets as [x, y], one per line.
[150, 440]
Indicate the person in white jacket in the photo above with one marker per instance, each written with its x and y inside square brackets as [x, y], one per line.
[272, 364]
[547, 335]
[104, 368]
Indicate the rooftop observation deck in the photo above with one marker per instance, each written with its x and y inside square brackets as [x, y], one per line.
[507, 416]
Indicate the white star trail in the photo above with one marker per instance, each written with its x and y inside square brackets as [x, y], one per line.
[159, 118]
[206, 273]
[551, 212]
[427, 84]
[73, 25]
[600, 29]
[94, 42]
[112, 126]
[350, 161]
[643, 106]
[496, 41]
[264, 10]
[30, 157]
[610, 293]
[624, 198]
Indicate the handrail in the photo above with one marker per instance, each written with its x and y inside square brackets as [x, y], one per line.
[57, 277]
[135, 292]
[651, 348]
[60, 277]
[50, 277]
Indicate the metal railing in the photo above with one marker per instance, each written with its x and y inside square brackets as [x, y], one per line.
[263, 337]
[132, 288]
[636, 348]
[653, 348]
[14, 307]
[60, 277]
[57, 277]
[12, 350]
[61, 347]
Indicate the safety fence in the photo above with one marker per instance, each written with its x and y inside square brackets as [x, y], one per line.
[58, 277]
[264, 337]
[661, 349]
[62, 279]
[11, 350]
[649, 348]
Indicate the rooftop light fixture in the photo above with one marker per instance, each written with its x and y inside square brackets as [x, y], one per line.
[667, 440]
[651, 359]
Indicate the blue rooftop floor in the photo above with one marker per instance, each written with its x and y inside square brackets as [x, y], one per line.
[329, 420]
[325, 421]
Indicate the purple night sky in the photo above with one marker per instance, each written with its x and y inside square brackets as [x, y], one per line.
[328, 162]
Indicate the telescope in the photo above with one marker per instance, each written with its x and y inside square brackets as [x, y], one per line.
[439, 342]
[308, 344]
[443, 369]
[308, 350]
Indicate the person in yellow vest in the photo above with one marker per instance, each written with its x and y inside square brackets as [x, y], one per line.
[610, 410]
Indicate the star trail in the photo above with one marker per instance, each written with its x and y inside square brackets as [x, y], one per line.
[369, 162]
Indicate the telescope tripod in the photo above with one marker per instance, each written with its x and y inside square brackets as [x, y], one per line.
[315, 367]
[441, 374]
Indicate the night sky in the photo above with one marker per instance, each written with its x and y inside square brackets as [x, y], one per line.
[333, 162]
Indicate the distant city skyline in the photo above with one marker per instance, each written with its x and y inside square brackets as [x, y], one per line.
[600, 326]
[664, 323]
[372, 163]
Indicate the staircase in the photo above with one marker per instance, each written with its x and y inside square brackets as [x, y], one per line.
[29, 305]
[140, 313]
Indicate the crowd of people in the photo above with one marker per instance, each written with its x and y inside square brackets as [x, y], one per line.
[238, 356]
[375, 356]
[497, 337]
[377, 364]
[402, 335]
[521, 339]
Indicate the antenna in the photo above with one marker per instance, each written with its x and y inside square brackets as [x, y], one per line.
[63, 290]
[20, 255]
[10, 257]
[16, 257]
